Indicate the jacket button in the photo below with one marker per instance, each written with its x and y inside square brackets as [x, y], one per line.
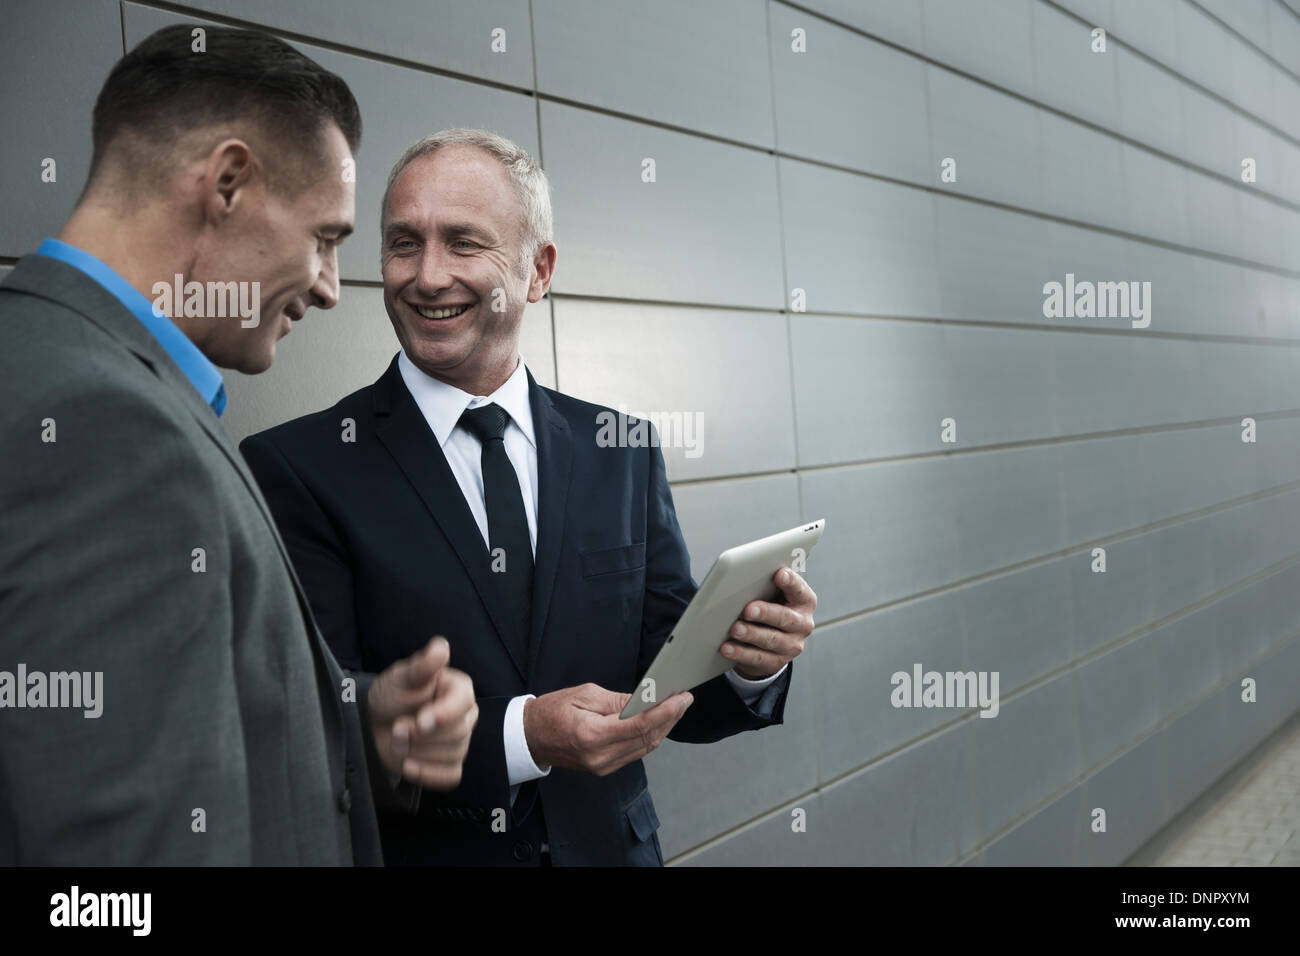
[345, 800]
[523, 851]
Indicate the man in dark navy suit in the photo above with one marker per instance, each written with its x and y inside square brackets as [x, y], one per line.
[457, 495]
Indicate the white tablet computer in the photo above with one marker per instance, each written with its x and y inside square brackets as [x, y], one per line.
[742, 574]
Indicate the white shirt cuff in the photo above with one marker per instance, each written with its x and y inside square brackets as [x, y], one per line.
[749, 690]
[520, 767]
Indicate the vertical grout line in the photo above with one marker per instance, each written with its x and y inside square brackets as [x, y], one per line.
[789, 353]
[537, 108]
[121, 8]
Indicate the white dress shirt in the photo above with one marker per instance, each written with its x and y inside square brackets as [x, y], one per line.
[442, 406]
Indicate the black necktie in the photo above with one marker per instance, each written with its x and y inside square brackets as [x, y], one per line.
[511, 550]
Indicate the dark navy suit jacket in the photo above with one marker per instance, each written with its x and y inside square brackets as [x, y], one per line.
[390, 555]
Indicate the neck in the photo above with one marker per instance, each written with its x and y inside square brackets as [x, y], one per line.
[139, 250]
[483, 384]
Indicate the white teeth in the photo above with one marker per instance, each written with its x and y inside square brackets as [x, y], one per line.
[441, 313]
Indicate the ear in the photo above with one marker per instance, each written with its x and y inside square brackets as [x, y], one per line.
[229, 172]
[543, 270]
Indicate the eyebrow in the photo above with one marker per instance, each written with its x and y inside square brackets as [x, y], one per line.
[342, 228]
[397, 226]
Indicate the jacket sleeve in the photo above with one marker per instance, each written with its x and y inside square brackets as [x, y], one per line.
[718, 710]
[98, 576]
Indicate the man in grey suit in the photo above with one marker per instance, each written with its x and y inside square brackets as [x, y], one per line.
[165, 695]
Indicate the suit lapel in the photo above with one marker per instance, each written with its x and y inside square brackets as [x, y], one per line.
[402, 429]
[554, 462]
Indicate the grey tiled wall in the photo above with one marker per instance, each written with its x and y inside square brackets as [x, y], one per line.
[819, 171]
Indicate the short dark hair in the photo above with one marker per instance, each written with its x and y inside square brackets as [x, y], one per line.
[162, 90]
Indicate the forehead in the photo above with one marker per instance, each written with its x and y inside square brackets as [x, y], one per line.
[456, 181]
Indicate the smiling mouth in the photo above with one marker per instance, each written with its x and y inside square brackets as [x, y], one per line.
[447, 313]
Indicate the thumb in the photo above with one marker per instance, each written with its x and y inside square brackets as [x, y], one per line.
[424, 665]
[611, 702]
[408, 683]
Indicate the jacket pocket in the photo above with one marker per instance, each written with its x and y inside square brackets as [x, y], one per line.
[628, 557]
[641, 816]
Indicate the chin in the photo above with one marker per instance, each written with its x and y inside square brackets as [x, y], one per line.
[259, 363]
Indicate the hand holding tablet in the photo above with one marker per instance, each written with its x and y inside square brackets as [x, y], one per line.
[742, 574]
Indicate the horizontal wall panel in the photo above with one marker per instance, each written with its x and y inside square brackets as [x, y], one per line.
[1082, 172]
[856, 244]
[1000, 384]
[1254, 535]
[705, 230]
[991, 136]
[1018, 623]
[1213, 133]
[1105, 607]
[1052, 836]
[1068, 75]
[1116, 698]
[1256, 619]
[902, 811]
[775, 840]
[1150, 102]
[1150, 27]
[458, 37]
[891, 95]
[1188, 654]
[898, 21]
[1250, 18]
[1195, 752]
[1100, 13]
[45, 112]
[1130, 789]
[1090, 256]
[701, 66]
[1180, 568]
[701, 790]
[857, 721]
[1025, 754]
[719, 379]
[891, 532]
[717, 515]
[1155, 194]
[991, 40]
[992, 263]
[1204, 50]
[1008, 506]
[867, 389]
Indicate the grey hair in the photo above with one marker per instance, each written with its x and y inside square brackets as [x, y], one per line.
[526, 176]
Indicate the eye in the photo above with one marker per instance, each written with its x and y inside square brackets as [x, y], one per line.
[465, 244]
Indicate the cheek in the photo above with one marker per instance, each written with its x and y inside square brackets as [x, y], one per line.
[396, 275]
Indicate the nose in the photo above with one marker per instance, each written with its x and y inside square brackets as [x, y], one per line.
[325, 290]
[433, 276]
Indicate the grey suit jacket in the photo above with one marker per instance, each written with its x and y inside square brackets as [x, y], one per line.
[227, 734]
